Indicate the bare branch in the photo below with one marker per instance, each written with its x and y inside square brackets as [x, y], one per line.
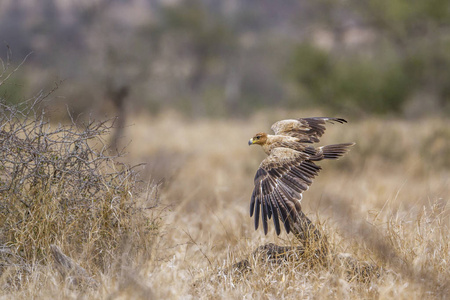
[13, 71]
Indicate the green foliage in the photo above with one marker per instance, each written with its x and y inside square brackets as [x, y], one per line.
[408, 56]
[11, 91]
[205, 35]
[370, 85]
[403, 19]
[313, 70]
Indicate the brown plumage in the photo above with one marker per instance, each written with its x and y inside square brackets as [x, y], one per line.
[289, 168]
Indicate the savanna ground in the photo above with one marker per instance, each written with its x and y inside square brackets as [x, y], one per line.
[386, 203]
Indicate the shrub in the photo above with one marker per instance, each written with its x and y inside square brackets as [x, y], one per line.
[355, 84]
[60, 185]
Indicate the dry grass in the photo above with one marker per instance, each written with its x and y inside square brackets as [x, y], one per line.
[384, 203]
[60, 186]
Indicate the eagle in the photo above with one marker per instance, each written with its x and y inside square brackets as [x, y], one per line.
[289, 168]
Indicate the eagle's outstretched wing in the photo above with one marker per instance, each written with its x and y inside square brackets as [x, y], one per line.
[279, 183]
[308, 130]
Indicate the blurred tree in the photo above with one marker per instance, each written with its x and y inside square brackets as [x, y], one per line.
[419, 32]
[205, 42]
[117, 62]
[216, 57]
[353, 84]
[409, 55]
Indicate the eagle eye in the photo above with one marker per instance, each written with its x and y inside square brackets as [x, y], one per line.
[258, 137]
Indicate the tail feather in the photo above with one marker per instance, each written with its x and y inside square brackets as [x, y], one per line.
[335, 151]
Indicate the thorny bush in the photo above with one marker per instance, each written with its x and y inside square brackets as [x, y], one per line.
[61, 185]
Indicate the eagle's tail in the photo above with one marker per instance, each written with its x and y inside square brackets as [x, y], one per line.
[335, 151]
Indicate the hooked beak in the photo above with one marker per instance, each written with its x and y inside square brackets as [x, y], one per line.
[250, 142]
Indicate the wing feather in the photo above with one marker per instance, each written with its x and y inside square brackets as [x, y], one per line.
[282, 208]
[264, 213]
[279, 183]
[252, 202]
[258, 203]
[273, 204]
[307, 130]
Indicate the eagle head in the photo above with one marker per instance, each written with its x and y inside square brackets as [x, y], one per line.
[259, 138]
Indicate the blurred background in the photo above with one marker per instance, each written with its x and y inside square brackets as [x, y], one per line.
[191, 81]
[211, 58]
